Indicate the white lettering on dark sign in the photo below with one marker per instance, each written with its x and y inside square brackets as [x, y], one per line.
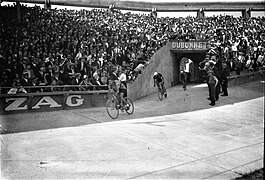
[17, 103]
[79, 101]
[196, 45]
[46, 100]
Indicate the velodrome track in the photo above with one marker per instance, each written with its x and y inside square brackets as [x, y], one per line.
[181, 137]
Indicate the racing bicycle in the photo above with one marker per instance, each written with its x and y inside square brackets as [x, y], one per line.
[113, 106]
[162, 93]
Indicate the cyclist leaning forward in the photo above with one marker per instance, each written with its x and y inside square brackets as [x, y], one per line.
[116, 87]
[159, 82]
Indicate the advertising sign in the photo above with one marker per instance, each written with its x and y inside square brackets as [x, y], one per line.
[49, 102]
[189, 45]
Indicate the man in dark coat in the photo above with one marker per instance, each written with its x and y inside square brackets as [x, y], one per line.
[217, 68]
[183, 77]
[212, 83]
[224, 78]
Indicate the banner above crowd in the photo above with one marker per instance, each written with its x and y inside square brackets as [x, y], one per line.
[189, 45]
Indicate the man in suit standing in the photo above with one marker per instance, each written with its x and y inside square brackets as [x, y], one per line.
[212, 83]
[183, 77]
[224, 78]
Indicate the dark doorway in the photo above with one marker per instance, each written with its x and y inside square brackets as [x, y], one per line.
[195, 57]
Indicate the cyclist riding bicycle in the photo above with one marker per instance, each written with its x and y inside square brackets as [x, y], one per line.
[159, 82]
[116, 87]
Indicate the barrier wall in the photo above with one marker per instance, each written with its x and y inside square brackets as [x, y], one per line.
[246, 78]
[161, 61]
[166, 61]
[51, 101]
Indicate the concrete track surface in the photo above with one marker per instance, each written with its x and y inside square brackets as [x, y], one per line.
[181, 137]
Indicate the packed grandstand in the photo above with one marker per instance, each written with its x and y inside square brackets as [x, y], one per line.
[51, 47]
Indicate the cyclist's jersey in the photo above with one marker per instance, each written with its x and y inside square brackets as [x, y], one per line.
[183, 76]
[158, 78]
[115, 83]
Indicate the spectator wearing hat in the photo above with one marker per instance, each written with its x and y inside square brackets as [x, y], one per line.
[76, 81]
[21, 89]
[248, 61]
[72, 71]
[82, 66]
[238, 66]
[31, 74]
[34, 65]
[25, 81]
[41, 76]
[261, 59]
[202, 68]
[56, 81]
[35, 84]
[241, 59]
[14, 88]
[49, 74]
[104, 78]
[13, 69]
[85, 84]
[9, 67]
[139, 69]
[21, 66]
[63, 75]
[212, 82]
[95, 80]
[5, 81]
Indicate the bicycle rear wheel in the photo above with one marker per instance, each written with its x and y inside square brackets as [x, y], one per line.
[112, 109]
[130, 108]
[160, 95]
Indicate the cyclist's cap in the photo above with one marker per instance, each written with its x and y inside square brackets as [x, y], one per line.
[155, 73]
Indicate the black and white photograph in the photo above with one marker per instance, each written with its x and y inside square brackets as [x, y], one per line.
[132, 89]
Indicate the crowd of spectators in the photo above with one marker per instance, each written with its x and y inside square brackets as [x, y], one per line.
[50, 47]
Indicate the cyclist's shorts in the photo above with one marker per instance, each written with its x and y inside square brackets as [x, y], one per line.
[159, 84]
[124, 91]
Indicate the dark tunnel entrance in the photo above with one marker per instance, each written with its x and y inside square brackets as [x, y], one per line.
[186, 56]
[180, 63]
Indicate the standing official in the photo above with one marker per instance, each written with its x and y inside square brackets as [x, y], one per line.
[212, 82]
[224, 78]
[183, 77]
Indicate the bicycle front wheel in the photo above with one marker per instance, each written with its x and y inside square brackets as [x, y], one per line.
[112, 109]
[130, 107]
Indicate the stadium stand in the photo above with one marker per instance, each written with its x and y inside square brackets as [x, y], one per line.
[57, 47]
